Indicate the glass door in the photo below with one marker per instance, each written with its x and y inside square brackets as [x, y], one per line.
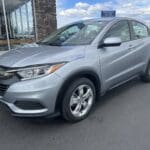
[21, 24]
[16, 23]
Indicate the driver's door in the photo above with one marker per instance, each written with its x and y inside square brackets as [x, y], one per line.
[117, 62]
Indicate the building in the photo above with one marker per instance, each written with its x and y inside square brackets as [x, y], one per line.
[25, 21]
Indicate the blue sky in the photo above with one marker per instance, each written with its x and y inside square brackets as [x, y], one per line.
[71, 3]
[73, 10]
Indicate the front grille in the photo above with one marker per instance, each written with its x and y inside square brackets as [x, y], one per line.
[4, 74]
[3, 89]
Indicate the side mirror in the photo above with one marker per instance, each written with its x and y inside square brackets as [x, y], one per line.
[111, 41]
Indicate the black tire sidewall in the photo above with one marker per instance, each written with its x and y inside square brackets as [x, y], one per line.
[146, 76]
[147, 71]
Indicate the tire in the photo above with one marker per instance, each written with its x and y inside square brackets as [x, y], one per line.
[146, 76]
[78, 100]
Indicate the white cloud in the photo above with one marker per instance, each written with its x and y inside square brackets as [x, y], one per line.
[82, 5]
[129, 8]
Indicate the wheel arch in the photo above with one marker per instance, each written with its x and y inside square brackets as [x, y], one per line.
[89, 74]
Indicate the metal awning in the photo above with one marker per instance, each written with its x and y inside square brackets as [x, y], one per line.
[10, 5]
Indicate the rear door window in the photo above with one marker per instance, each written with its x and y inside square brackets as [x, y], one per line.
[139, 30]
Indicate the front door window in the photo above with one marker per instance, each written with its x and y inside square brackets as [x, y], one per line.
[120, 29]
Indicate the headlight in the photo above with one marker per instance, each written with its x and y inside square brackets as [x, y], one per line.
[38, 71]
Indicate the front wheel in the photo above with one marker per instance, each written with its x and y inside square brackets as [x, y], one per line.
[146, 76]
[78, 100]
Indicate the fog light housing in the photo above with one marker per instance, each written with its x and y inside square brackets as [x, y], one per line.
[29, 105]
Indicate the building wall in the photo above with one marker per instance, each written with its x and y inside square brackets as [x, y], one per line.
[45, 13]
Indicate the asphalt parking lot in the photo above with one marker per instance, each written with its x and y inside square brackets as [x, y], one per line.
[119, 121]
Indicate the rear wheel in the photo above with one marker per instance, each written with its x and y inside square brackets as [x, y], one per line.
[78, 100]
[146, 76]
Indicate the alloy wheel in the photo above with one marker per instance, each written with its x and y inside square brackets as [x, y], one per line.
[81, 100]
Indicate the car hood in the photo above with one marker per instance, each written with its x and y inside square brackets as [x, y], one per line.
[34, 54]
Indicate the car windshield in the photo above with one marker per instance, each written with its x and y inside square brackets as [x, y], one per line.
[75, 34]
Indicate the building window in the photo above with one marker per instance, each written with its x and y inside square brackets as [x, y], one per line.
[25, 21]
[19, 22]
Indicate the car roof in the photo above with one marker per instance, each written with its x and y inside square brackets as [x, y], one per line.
[106, 19]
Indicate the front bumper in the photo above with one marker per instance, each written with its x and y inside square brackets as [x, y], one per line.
[42, 91]
[18, 111]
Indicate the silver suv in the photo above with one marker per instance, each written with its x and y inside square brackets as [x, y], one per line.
[64, 73]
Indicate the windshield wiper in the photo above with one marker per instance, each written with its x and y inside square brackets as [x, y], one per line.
[54, 44]
[47, 43]
[42, 43]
